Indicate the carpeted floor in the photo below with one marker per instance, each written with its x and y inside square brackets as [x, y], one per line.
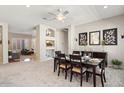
[40, 74]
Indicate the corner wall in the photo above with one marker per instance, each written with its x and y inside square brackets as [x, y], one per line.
[62, 41]
[5, 42]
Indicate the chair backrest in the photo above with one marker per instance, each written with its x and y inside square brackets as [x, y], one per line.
[16, 55]
[57, 53]
[76, 60]
[87, 53]
[76, 53]
[94, 54]
[62, 58]
[102, 65]
[10, 53]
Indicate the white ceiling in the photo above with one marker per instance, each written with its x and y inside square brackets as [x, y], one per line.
[23, 19]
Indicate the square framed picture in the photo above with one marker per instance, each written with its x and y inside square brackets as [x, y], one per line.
[110, 36]
[83, 39]
[94, 38]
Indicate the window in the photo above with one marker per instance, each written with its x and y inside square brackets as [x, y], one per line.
[19, 43]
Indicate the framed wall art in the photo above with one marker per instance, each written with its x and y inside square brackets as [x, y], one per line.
[94, 38]
[83, 39]
[110, 36]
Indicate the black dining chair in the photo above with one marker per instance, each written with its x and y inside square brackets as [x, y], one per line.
[77, 67]
[76, 53]
[56, 60]
[57, 53]
[100, 71]
[63, 64]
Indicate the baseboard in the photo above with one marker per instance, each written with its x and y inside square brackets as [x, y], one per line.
[111, 66]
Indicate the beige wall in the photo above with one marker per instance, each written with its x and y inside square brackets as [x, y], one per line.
[114, 51]
[66, 41]
[37, 43]
[4, 43]
[71, 37]
[23, 36]
[62, 41]
[1, 47]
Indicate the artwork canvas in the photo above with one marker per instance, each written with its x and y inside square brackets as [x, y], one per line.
[94, 38]
[83, 39]
[110, 36]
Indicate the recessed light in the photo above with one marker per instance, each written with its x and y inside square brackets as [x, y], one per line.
[27, 5]
[105, 6]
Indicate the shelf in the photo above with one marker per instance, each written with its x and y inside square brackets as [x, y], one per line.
[50, 32]
[50, 53]
[50, 43]
[50, 48]
[50, 38]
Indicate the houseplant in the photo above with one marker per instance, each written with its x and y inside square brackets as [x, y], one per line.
[116, 63]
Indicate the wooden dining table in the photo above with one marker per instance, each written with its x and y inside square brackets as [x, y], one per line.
[92, 63]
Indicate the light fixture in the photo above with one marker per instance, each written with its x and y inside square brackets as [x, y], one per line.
[105, 6]
[122, 36]
[27, 6]
[60, 17]
[76, 39]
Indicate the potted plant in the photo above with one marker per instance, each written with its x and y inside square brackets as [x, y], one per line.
[116, 63]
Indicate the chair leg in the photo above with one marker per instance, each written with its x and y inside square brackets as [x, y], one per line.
[90, 75]
[56, 66]
[104, 77]
[65, 74]
[76, 75]
[102, 80]
[87, 76]
[62, 71]
[71, 76]
[58, 71]
[81, 80]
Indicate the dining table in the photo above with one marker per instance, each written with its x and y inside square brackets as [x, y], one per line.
[92, 63]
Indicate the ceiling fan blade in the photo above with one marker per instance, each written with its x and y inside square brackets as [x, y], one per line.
[59, 10]
[65, 12]
[49, 19]
[44, 18]
[51, 13]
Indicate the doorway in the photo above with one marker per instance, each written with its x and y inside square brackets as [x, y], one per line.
[62, 40]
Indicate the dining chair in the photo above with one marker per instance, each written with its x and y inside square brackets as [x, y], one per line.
[76, 53]
[63, 64]
[100, 71]
[57, 53]
[77, 67]
[88, 54]
[56, 60]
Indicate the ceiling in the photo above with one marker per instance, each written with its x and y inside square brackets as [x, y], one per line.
[22, 19]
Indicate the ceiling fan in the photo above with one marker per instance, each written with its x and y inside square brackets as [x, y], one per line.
[59, 15]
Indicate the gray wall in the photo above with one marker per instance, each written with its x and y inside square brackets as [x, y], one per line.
[62, 41]
[114, 51]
